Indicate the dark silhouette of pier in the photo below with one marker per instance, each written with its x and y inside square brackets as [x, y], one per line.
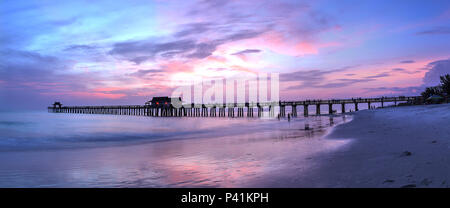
[162, 107]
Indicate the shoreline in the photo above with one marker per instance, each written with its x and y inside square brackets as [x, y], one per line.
[405, 146]
[390, 147]
[251, 155]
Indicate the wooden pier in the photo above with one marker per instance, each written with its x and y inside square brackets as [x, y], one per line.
[157, 109]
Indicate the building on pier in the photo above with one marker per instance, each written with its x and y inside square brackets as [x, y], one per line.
[163, 102]
[57, 104]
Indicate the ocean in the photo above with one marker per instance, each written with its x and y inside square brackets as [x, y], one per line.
[40, 149]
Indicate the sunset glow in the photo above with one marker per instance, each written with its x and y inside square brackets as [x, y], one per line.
[121, 52]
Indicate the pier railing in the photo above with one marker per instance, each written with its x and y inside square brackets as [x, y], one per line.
[228, 109]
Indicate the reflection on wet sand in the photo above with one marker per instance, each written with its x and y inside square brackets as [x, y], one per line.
[250, 159]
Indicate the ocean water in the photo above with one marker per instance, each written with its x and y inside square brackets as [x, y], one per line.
[40, 149]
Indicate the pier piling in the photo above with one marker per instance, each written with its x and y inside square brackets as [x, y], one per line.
[210, 110]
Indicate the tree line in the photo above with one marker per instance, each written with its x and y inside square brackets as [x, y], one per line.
[443, 89]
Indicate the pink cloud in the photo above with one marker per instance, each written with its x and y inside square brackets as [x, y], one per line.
[279, 43]
[108, 89]
[96, 95]
[176, 66]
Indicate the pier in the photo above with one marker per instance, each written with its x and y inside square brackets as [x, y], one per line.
[162, 107]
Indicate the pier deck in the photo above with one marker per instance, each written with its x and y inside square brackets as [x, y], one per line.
[228, 109]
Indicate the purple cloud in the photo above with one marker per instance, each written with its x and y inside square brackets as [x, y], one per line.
[431, 78]
[436, 69]
[435, 31]
[247, 51]
[384, 74]
[144, 50]
[407, 62]
[144, 72]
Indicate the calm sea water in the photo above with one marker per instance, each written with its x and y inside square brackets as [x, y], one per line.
[40, 149]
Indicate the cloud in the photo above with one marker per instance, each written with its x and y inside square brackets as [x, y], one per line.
[384, 74]
[398, 70]
[436, 69]
[143, 50]
[343, 83]
[309, 78]
[86, 53]
[140, 51]
[435, 31]
[407, 62]
[317, 78]
[247, 51]
[404, 71]
[406, 91]
[241, 35]
[203, 50]
[193, 29]
[31, 80]
[79, 47]
[303, 75]
[27, 62]
[144, 72]
[186, 39]
[25, 75]
[431, 78]
[216, 23]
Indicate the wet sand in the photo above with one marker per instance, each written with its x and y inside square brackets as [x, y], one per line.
[252, 159]
[391, 147]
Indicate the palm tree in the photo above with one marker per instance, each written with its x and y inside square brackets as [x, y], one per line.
[429, 91]
[445, 84]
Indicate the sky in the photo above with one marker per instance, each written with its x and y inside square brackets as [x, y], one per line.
[125, 52]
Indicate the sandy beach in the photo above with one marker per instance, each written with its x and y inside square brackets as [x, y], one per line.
[391, 147]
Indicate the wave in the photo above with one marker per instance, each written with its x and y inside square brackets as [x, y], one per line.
[44, 131]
